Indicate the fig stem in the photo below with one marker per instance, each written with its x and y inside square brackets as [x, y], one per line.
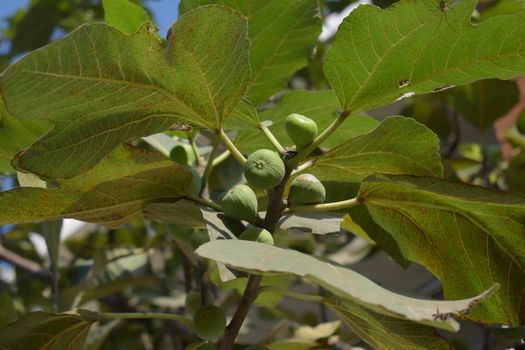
[231, 147]
[292, 294]
[318, 140]
[203, 201]
[140, 315]
[220, 158]
[209, 165]
[325, 206]
[302, 167]
[195, 150]
[275, 143]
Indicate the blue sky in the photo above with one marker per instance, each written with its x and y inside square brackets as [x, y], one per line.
[164, 11]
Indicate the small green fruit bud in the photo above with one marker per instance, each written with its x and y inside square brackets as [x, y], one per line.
[182, 154]
[306, 189]
[257, 234]
[264, 169]
[198, 238]
[240, 203]
[302, 130]
[193, 302]
[209, 322]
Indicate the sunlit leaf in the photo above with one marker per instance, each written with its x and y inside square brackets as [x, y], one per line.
[101, 87]
[380, 55]
[102, 194]
[398, 146]
[469, 237]
[124, 15]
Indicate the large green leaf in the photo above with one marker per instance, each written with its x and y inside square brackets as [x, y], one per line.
[124, 15]
[267, 259]
[17, 134]
[483, 102]
[44, 331]
[101, 87]
[380, 55]
[469, 237]
[384, 332]
[397, 146]
[282, 35]
[320, 106]
[101, 195]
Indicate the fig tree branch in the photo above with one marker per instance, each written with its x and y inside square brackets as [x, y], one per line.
[205, 202]
[325, 206]
[231, 147]
[318, 140]
[275, 143]
[220, 158]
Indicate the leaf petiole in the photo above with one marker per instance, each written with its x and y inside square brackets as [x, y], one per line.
[325, 206]
[203, 201]
[275, 143]
[231, 147]
[141, 315]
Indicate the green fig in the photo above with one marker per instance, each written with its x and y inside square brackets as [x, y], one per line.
[264, 169]
[240, 203]
[257, 234]
[196, 181]
[182, 154]
[302, 130]
[193, 302]
[306, 189]
[209, 322]
[198, 238]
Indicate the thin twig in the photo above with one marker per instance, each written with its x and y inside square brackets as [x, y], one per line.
[231, 147]
[325, 206]
[23, 263]
[141, 315]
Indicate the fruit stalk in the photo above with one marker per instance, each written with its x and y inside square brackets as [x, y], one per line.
[318, 140]
[275, 143]
[231, 147]
[203, 201]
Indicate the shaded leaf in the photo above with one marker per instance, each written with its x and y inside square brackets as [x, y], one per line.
[515, 174]
[124, 15]
[431, 111]
[483, 102]
[98, 334]
[469, 237]
[316, 223]
[384, 332]
[40, 330]
[396, 146]
[103, 194]
[379, 55]
[183, 213]
[282, 36]
[267, 259]
[101, 87]
[320, 106]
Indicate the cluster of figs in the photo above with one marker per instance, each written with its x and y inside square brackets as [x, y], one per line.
[264, 169]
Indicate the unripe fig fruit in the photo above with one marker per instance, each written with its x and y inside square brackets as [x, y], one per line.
[193, 302]
[306, 189]
[257, 234]
[264, 169]
[182, 154]
[209, 322]
[196, 181]
[240, 203]
[198, 238]
[302, 130]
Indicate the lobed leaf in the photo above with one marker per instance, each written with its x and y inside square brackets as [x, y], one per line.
[380, 55]
[124, 15]
[469, 237]
[396, 146]
[267, 259]
[102, 194]
[282, 36]
[101, 88]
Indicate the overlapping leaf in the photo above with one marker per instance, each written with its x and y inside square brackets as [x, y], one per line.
[124, 15]
[266, 259]
[41, 330]
[380, 55]
[469, 237]
[384, 332]
[112, 192]
[101, 87]
[397, 146]
[282, 36]
[320, 106]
